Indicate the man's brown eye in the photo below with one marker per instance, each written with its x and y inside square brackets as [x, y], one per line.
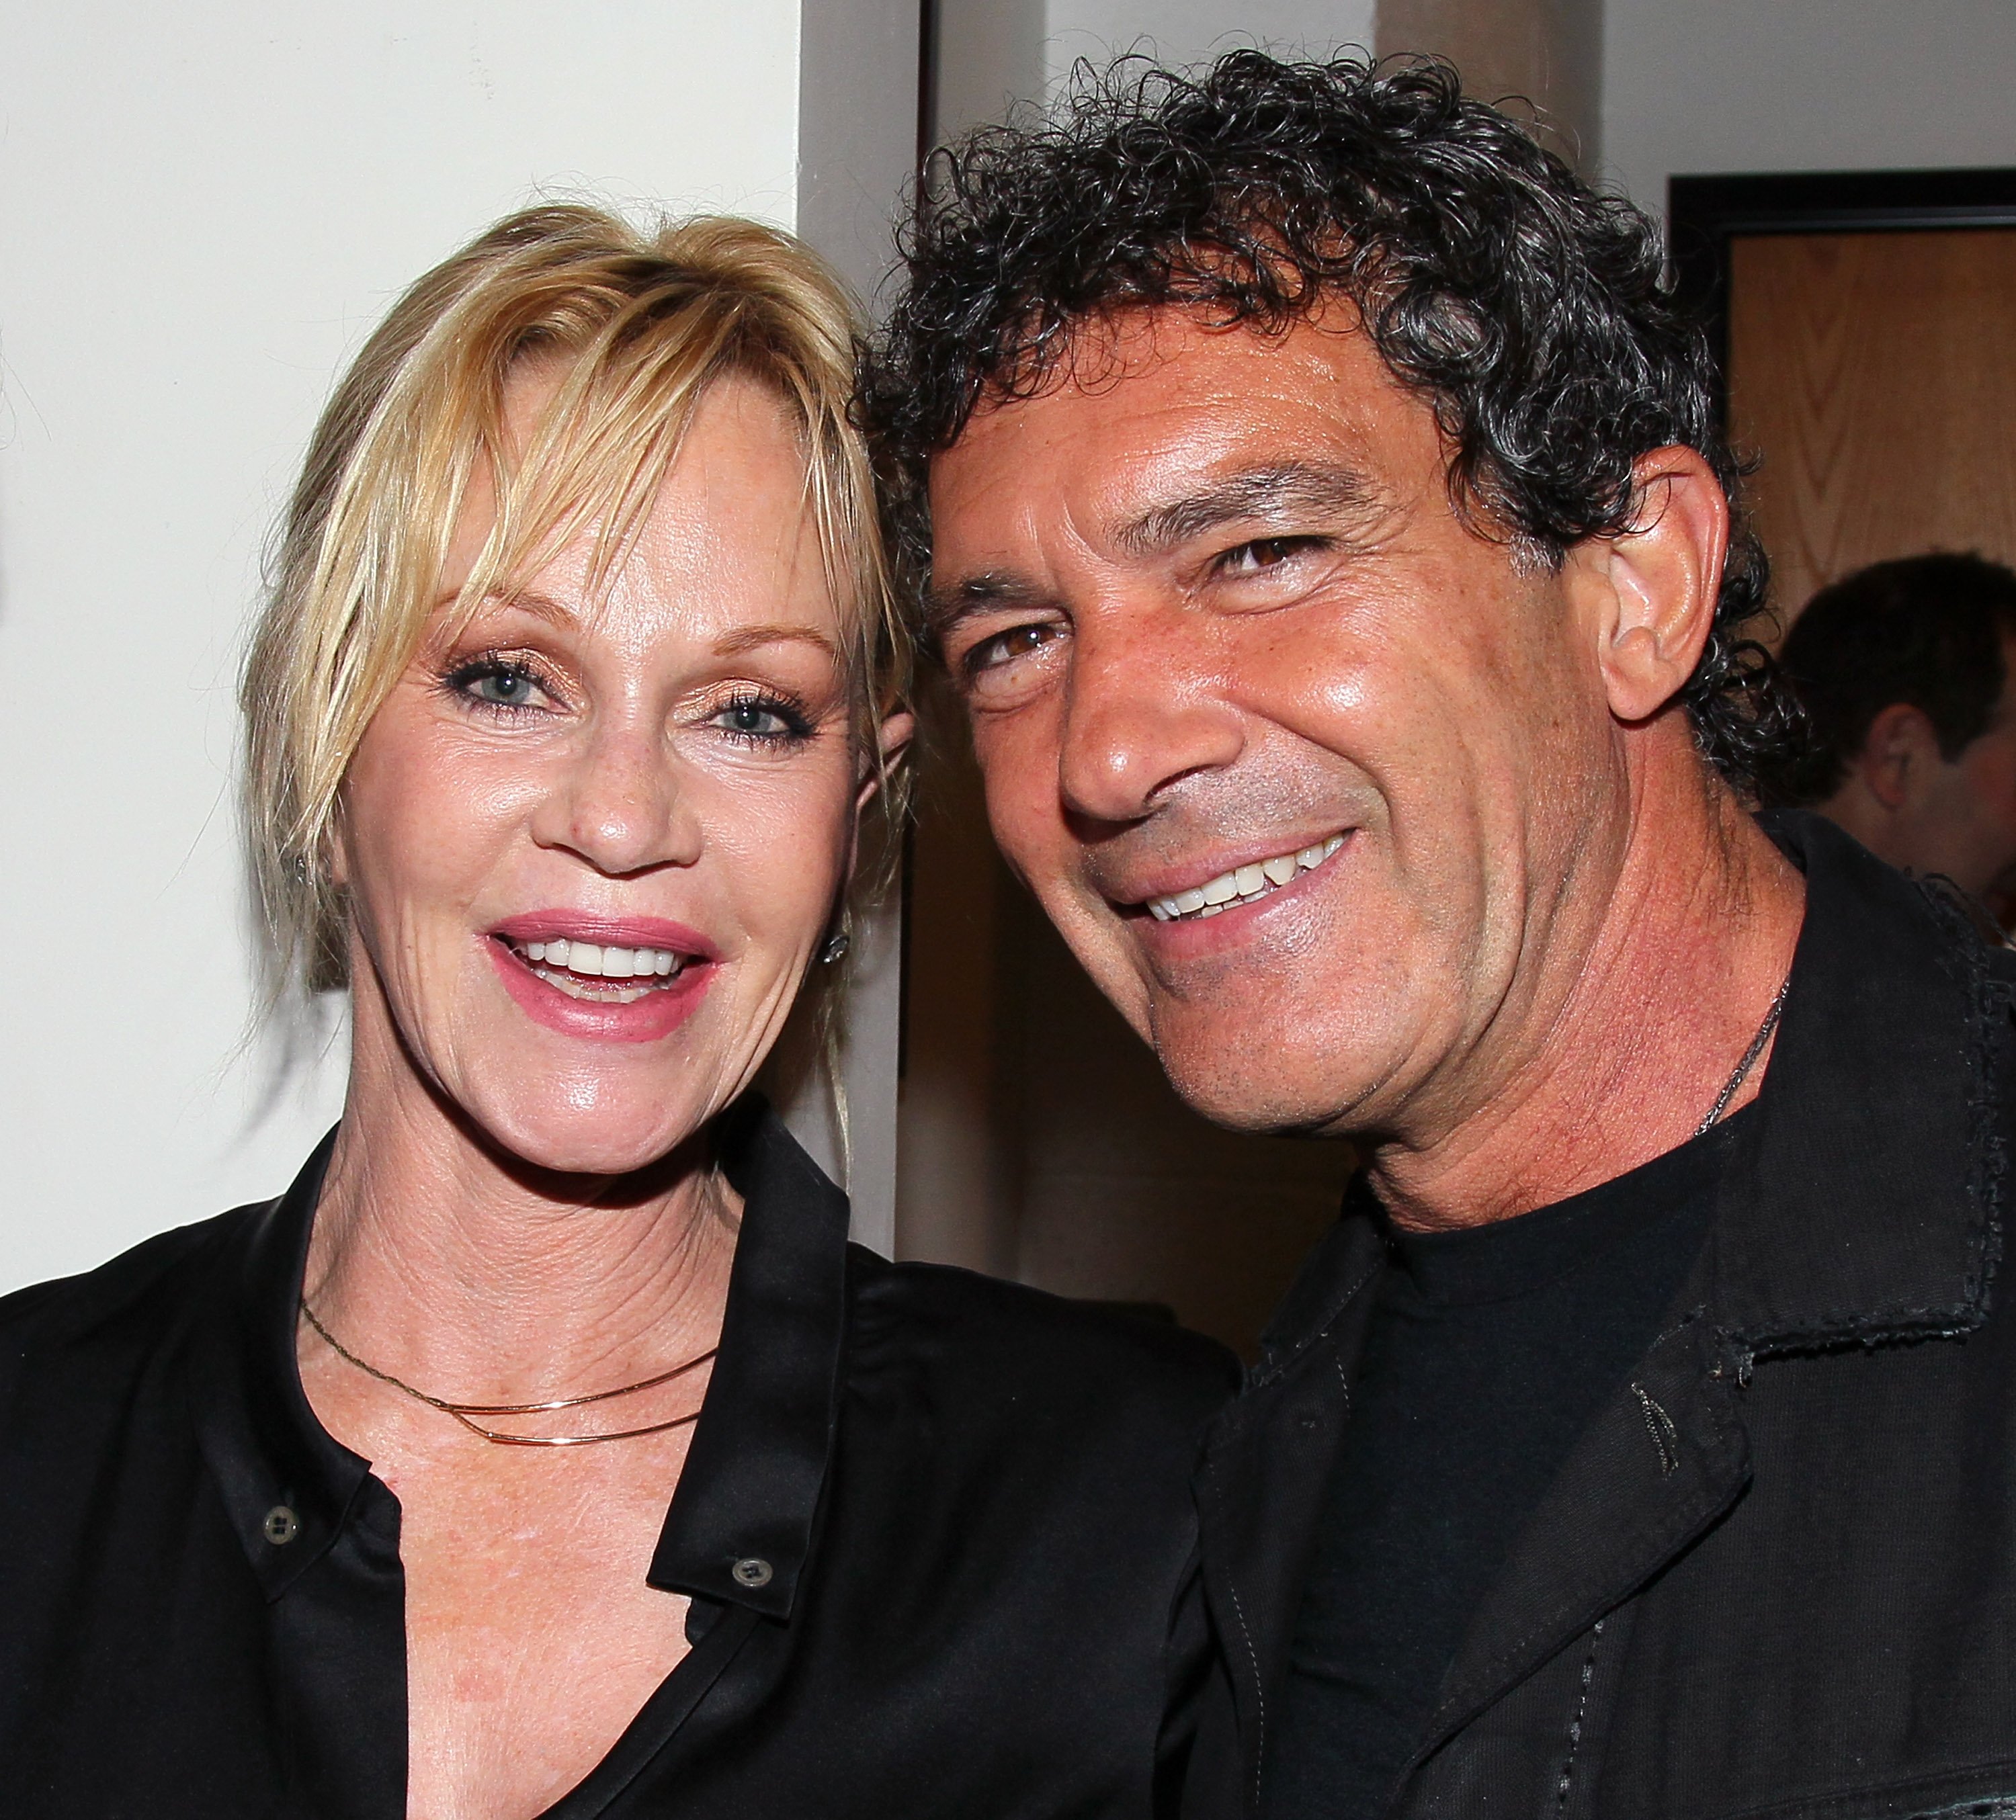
[1006, 647]
[1264, 553]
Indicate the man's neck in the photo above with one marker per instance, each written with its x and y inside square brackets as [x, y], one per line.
[1626, 1046]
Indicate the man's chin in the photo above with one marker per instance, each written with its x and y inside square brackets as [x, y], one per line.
[1275, 1094]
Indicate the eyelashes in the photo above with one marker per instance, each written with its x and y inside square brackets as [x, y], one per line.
[511, 683]
[507, 688]
[764, 718]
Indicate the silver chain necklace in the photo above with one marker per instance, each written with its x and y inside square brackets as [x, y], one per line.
[1735, 1081]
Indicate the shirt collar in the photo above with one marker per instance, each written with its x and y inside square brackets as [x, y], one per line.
[740, 1527]
[288, 1484]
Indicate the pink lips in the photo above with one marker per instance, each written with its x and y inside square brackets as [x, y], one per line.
[656, 1015]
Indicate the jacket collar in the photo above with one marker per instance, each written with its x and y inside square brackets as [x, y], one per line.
[758, 1463]
[1866, 1204]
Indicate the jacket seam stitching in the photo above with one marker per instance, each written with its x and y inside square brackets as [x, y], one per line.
[1259, 1692]
[1273, 1369]
[1575, 1724]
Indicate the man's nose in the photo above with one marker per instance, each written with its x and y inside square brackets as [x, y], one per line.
[1142, 711]
[617, 803]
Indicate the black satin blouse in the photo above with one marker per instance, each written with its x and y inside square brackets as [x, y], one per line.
[936, 1531]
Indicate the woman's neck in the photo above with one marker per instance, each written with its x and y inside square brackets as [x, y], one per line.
[457, 1267]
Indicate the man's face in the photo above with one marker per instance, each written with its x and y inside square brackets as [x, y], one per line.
[1970, 808]
[1304, 768]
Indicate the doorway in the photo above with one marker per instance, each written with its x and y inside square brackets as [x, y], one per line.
[1866, 326]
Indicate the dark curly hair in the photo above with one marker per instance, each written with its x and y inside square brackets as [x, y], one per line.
[1532, 314]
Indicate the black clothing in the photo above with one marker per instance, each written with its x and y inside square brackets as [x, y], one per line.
[1776, 1576]
[936, 1530]
[1486, 1353]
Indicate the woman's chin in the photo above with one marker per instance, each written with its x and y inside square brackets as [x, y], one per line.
[602, 1140]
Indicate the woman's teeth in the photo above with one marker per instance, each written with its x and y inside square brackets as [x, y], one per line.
[1243, 885]
[587, 970]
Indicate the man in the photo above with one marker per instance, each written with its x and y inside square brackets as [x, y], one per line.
[1904, 668]
[1328, 534]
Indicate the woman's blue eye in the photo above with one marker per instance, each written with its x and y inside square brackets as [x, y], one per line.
[493, 682]
[762, 718]
[506, 687]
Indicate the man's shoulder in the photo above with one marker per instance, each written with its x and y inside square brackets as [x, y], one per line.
[1030, 1356]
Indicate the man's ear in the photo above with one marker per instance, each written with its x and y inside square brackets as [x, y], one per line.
[1650, 594]
[1899, 757]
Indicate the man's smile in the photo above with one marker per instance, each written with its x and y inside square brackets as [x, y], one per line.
[1243, 884]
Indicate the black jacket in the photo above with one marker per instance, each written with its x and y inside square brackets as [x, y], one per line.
[936, 1529]
[1776, 1578]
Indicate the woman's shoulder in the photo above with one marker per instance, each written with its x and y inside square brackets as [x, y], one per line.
[130, 1303]
[1012, 1346]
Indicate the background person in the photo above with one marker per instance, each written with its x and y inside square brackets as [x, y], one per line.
[1329, 534]
[1903, 669]
[547, 1435]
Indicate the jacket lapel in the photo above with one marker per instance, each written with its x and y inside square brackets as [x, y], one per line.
[1267, 1463]
[1662, 1463]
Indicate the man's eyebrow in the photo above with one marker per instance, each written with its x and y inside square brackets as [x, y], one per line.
[992, 588]
[1280, 491]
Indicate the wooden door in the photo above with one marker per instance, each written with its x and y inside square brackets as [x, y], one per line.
[1874, 375]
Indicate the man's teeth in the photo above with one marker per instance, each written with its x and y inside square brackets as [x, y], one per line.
[572, 966]
[1242, 885]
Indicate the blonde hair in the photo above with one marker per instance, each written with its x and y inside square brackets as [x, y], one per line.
[640, 323]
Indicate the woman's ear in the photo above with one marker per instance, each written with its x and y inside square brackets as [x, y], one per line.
[335, 849]
[892, 740]
[1650, 594]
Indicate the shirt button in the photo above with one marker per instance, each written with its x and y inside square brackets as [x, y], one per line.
[752, 1570]
[281, 1525]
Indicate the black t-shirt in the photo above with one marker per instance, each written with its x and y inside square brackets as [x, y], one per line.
[1488, 1352]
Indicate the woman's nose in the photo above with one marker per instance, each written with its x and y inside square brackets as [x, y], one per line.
[1140, 714]
[617, 803]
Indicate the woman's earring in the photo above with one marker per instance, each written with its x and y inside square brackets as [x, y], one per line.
[836, 946]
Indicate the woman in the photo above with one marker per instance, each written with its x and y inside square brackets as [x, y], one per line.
[545, 1448]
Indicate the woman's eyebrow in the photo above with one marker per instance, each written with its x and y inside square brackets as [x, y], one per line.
[539, 605]
[750, 638]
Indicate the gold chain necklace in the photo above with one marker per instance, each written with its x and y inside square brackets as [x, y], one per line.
[502, 1437]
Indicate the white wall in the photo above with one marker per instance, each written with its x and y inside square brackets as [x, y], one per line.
[1696, 87]
[202, 209]
[992, 53]
[1189, 31]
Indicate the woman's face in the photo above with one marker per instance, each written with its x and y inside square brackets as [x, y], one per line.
[594, 837]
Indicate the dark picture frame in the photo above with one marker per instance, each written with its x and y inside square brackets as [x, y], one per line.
[1704, 214]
